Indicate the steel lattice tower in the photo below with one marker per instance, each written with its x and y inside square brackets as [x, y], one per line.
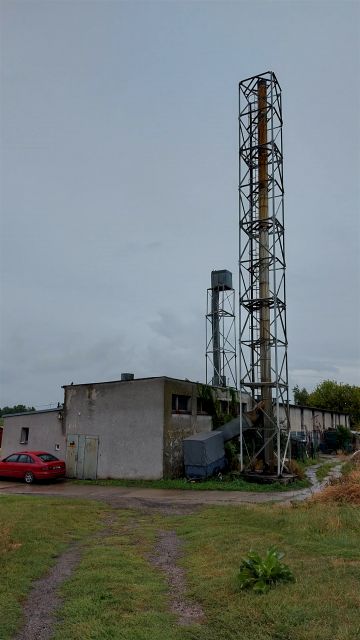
[262, 295]
[221, 369]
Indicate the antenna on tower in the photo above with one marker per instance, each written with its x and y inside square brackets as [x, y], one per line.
[262, 293]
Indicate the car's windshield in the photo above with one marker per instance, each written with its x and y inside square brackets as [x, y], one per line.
[47, 457]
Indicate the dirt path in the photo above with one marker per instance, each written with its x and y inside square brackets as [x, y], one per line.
[165, 557]
[44, 599]
[164, 500]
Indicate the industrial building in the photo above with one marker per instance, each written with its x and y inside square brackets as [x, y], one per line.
[136, 428]
[130, 428]
[133, 428]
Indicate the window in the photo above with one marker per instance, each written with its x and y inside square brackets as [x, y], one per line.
[47, 457]
[24, 458]
[13, 458]
[24, 438]
[201, 406]
[224, 406]
[181, 404]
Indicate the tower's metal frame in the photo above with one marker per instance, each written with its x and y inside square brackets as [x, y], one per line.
[262, 294]
[221, 365]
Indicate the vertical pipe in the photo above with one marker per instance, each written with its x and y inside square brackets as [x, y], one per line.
[275, 299]
[216, 335]
[264, 259]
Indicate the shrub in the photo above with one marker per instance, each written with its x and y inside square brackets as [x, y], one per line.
[294, 467]
[345, 489]
[261, 574]
[232, 455]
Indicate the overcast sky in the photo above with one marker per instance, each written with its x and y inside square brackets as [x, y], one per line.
[119, 178]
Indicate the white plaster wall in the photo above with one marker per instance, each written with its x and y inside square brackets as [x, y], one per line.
[127, 417]
[45, 431]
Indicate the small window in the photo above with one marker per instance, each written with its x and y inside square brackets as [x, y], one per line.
[25, 459]
[24, 438]
[181, 404]
[13, 458]
[47, 457]
[224, 406]
[201, 406]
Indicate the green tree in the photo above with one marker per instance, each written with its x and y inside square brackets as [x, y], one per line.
[342, 398]
[301, 396]
[17, 408]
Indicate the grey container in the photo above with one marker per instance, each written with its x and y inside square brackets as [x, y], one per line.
[221, 279]
[204, 454]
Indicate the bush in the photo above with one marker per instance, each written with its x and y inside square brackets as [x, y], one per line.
[261, 574]
[232, 455]
[294, 467]
[345, 489]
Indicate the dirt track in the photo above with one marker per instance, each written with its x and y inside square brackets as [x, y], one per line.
[139, 497]
[163, 499]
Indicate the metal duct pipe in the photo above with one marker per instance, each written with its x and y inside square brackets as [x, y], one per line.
[264, 263]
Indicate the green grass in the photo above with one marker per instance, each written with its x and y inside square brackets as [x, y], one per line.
[213, 484]
[116, 593]
[323, 471]
[33, 532]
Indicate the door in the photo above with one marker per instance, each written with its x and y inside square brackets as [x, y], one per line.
[82, 456]
[90, 457]
[72, 443]
[9, 466]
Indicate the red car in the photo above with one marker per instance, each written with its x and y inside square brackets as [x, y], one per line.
[32, 465]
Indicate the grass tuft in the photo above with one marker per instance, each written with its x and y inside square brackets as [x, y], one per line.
[345, 489]
[221, 483]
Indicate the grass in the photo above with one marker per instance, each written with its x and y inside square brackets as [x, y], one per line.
[323, 471]
[33, 532]
[345, 489]
[116, 594]
[213, 484]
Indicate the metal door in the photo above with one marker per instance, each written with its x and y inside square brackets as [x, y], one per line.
[82, 456]
[90, 457]
[72, 443]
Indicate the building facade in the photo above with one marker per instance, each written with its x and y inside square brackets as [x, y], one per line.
[133, 428]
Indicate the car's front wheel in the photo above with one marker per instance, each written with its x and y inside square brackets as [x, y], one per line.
[29, 477]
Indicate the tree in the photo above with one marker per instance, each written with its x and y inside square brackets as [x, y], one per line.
[301, 396]
[334, 396]
[17, 408]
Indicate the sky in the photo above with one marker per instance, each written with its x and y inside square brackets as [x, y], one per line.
[119, 184]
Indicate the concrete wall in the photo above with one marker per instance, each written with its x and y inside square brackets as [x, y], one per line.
[180, 425]
[308, 419]
[127, 417]
[45, 432]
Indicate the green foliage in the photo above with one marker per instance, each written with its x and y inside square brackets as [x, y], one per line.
[211, 404]
[261, 574]
[17, 408]
[337, 397]
[323, 471]
[301, 396]
[343, 437]
[232, 454]
[334, 396]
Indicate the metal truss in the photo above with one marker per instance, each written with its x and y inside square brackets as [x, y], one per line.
[221, 367]
[262, 293]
